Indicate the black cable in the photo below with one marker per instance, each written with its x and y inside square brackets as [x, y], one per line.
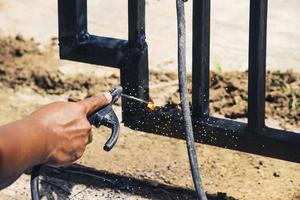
[34, 183]
[185, 102]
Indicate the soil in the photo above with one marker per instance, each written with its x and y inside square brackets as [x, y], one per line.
[30, 76]
[22, 63]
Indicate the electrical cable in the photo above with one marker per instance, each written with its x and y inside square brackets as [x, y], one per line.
[185, 102]
[34, 183]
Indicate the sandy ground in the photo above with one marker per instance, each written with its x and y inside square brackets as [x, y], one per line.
[229, 31]
[240, 175]
[157, 165]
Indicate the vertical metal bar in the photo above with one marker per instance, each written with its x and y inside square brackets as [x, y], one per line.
[72, 17]
[134, 72]
[201, 53]
[136, 21]
[257, 64]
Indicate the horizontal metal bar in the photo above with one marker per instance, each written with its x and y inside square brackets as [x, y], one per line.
[94, 50]
[217, 132]
[257, 63]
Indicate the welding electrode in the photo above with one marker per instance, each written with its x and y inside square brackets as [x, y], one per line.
[150, 104]
[134, 98]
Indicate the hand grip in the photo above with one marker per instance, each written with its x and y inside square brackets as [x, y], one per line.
[114, 124]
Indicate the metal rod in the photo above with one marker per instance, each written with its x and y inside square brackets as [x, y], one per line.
[134, 71]
[72, 17]
[257, 64]
[201, 48]
[135, 98]
[136, 20]
[111, 51]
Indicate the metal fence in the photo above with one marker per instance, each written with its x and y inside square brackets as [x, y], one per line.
[131, 57]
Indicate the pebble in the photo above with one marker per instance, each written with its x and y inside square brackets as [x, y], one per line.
[259, 182]
[18, 53]
[20, 38]
[276, 174]
[261, 162]
[41, 49]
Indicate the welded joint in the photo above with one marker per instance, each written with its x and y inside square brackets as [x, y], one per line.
[140, 43]
[135, 49]
[81, 38]
[257, 131]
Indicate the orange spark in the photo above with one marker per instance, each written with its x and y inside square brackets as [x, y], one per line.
[151, 106]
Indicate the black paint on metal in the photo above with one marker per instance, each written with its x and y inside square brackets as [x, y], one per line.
[72, 17]
[134, 70]
[112, 51]
[131, 57]
[257, 64]
[223, 133]
[77, 44]
[201, 51]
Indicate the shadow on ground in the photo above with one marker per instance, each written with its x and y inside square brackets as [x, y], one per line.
[78, 182]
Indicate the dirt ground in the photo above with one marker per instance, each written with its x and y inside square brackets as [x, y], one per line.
[31, 75]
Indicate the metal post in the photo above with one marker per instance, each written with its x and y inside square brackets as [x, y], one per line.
[257, 64]
[72, 17]
[201, 47]
[134, 72]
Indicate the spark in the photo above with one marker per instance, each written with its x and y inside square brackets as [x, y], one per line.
[151, 106]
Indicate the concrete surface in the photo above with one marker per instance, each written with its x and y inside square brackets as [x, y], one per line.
[229, 31]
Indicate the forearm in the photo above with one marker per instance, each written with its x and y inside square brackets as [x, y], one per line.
[21, 147]
[56, 134]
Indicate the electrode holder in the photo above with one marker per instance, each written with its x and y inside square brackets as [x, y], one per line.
[106, 116]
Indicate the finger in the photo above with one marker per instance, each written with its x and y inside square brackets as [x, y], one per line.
[90, 137]
[95, 102]
[77, 154]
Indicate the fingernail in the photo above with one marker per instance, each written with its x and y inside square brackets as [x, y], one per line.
[108, 96]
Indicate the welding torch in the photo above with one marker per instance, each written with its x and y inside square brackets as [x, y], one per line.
[104, 116]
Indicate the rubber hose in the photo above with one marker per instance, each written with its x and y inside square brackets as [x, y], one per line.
[185, 102]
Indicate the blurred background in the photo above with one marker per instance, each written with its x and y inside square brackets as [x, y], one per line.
[229, 29]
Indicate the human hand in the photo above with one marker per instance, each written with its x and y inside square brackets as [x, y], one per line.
[65, 128]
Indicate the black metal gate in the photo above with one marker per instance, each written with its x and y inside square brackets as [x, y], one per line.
[131, 57]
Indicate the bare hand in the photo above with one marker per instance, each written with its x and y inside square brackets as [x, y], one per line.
[66, 129]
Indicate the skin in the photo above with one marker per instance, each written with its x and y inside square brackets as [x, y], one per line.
[56, 134]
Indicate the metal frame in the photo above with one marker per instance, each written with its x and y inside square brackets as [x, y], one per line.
[131, 57]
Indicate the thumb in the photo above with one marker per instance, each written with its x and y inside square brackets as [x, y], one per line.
[95, 102]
